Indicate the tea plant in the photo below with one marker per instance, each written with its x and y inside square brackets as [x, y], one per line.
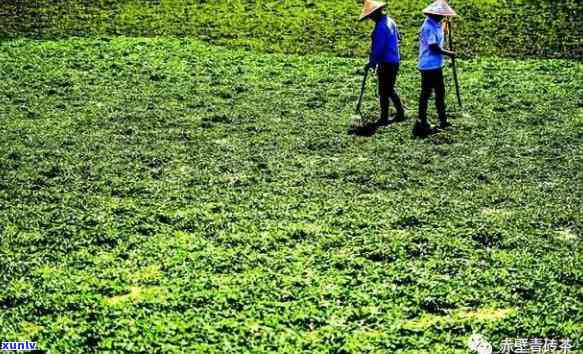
[163, 195]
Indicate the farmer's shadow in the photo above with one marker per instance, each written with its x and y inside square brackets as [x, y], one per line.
[366, 129]
[367, 125]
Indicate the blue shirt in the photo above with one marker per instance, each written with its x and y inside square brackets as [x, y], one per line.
[431, 33]
[385, 43]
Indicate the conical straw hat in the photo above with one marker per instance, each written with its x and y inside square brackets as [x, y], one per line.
[439, 7]
[369, 7]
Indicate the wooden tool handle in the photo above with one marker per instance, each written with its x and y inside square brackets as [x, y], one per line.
[362, 87]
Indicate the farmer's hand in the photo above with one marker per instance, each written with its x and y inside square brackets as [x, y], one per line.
[370, 66]
[449, 53]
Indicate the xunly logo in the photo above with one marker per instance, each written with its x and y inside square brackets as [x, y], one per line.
[478, 344]
[18, 346]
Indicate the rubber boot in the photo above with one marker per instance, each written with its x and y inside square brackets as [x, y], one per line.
[421, 129]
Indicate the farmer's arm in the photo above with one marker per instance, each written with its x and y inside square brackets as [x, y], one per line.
[377, 48]
[437, 49]
[399, 36]
[433, 41]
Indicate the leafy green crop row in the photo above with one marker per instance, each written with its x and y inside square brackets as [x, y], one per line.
[161, 195]
[511, 28]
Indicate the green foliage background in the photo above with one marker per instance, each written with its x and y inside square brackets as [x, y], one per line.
[511, 28]
[161, 195]
[168, 195]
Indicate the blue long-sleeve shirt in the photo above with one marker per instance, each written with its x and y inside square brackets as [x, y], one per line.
[385, 43]
[431, 33]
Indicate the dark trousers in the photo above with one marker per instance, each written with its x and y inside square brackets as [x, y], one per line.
[432, 80]
[387, 74]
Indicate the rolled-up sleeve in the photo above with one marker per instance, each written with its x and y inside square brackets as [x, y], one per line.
[434, 37]
[430, 36]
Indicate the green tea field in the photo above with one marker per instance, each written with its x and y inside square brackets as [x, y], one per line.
[164, 195]
[177, 176]
[510, 28]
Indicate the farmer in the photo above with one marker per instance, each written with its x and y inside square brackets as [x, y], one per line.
[430, 65]
[384, 58]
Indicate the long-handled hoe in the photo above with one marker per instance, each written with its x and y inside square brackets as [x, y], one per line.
[358, 125]
[461, 111]
[357, 116]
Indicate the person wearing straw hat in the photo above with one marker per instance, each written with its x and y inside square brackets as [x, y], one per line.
[384, 57]
[431, 52]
